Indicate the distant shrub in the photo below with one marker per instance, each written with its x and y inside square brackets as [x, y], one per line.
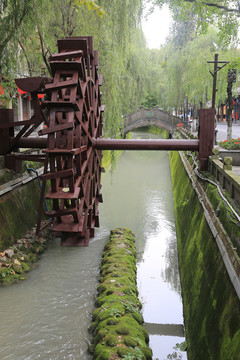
[233, 144]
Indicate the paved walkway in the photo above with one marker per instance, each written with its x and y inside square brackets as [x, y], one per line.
[236, 170]
[222, 131]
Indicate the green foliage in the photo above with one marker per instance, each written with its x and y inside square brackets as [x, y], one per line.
[116, 312]
[185, 75]
[12, 14]
[117, 322]
[7, 88]
[208, 295]
[136, 354]
[233, 144]
[150, 101]
[222, 13]
[115, 27]
[91, 6]
[133, 75]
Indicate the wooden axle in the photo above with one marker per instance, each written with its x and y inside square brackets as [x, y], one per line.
[149, 144]
[122, 144]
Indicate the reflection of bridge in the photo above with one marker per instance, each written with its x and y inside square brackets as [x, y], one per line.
[150, 117]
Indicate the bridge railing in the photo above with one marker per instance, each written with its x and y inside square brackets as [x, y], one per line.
[151, 114]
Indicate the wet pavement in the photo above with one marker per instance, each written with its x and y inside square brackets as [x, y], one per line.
[222, 131]
[236, 170]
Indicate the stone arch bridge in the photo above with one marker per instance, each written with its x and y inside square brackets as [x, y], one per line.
[150, 117]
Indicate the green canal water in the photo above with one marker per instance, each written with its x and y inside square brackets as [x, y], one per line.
[47, 315]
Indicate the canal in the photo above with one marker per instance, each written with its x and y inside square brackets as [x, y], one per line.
[47, 315]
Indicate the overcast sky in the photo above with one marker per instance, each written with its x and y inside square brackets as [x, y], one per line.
[156, 27]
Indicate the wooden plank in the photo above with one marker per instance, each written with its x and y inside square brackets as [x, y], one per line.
[56, 128]
[206, 136]
[57, 174]
[61, 84]
[79, 117]
[62, 106]
[63, 195]
[68, 225]
[66, 66]
[13, 143]
[66, 55]
[6, 117]
[70, 152]
[73, 44]
[40, 208]
[61, 212]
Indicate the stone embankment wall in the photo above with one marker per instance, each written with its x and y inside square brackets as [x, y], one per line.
[211, 305]
[117, 320]
[18, 212]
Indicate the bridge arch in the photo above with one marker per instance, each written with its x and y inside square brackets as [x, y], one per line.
[150, 117]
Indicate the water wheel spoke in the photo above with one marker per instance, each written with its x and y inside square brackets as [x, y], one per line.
[74, 120]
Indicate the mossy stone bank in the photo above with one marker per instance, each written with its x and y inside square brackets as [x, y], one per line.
[117, 321]
[211, 306]
[19, 258]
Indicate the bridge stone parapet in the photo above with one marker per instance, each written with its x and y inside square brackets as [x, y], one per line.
[150, 117]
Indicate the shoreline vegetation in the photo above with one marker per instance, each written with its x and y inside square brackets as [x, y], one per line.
[17, 260]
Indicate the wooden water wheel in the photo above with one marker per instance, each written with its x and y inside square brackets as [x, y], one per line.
[72, 114]
[72, 166]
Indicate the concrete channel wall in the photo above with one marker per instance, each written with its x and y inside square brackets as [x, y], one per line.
[227, 178]
[210, 292]
[19, 201]
[234, 154]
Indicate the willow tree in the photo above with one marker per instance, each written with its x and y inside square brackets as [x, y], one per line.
[187, 73]
[119, 38]
[224, 14]
[13, 13]
[115, 27]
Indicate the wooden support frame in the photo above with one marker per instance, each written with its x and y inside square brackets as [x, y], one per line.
[73, 139]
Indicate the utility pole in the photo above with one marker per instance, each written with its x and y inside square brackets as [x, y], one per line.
[232, 73]
[214, 81]
[214, 75]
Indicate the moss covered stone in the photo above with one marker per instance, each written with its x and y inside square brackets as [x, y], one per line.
[158, 131]
[211, 306]
[26, 252]
[117, 322]
[220, 209]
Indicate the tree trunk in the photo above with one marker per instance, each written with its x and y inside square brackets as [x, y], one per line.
[229, 111]
[26, 57]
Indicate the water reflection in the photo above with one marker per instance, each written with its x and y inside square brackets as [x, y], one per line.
[171, 272]
[139, 195]
[48, 315]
